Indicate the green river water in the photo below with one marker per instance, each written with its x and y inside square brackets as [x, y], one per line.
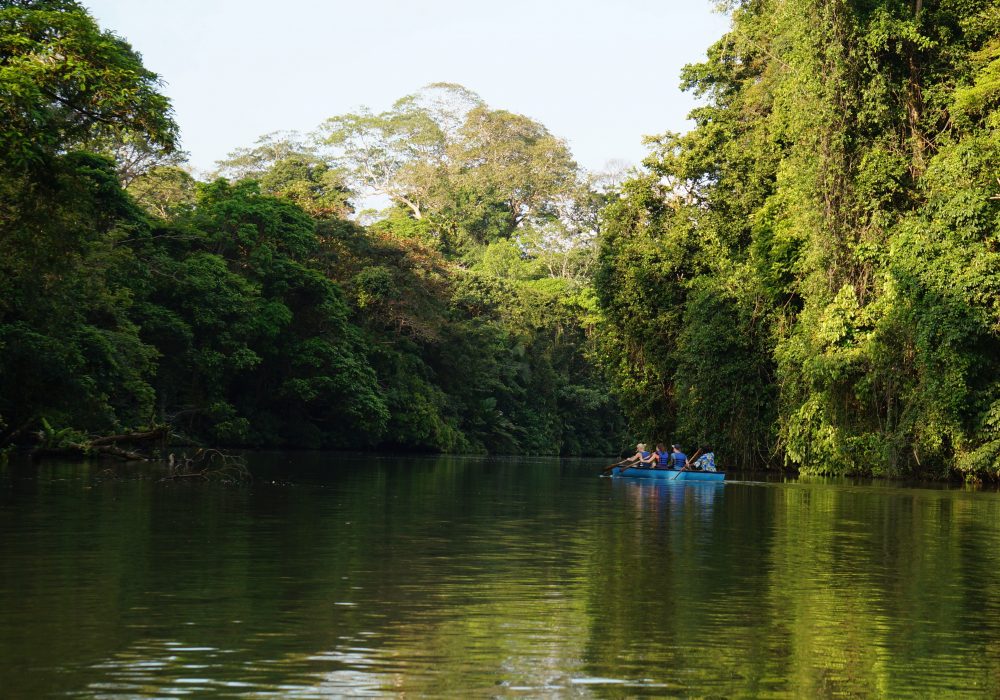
[331, 575]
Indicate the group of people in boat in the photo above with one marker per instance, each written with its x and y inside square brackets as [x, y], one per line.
[702, 460]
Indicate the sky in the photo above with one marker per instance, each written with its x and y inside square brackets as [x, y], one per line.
[598, 73]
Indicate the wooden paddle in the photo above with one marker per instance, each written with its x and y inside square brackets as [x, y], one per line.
[692, 458]
[612, 466]
[623, 464]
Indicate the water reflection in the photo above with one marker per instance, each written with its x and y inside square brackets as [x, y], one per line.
[677, 500]
[334, 576]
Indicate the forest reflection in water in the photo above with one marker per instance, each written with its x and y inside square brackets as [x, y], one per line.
[334, 574]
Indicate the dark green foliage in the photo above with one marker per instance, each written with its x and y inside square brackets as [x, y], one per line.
[645, 260]
[63, 82]
[528, 383]
[724, 345]
[841, 190]
[69, 350]
[260, 348]
[248, 312]
[471, 362]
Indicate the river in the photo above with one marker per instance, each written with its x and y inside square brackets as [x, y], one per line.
[332, 575]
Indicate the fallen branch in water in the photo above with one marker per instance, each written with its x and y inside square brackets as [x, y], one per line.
[66, 442]
[158, 433]
[116, 451]
[142, 446]
[208, 464]
[81, 450]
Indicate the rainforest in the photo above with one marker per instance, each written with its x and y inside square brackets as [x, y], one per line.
[808, 279]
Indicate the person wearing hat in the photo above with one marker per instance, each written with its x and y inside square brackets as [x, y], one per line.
[680, 459]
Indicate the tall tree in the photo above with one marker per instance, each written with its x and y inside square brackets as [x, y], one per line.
[64, 82]
[809, 189]
[68, 349]
[474, 173]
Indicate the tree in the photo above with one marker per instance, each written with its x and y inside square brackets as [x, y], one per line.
[257, 347]
[516, 160]
[841, 147]
[475, 173]
[69, 350]
[66, 82]
[287, 167]
[394, 153]
[165, 191]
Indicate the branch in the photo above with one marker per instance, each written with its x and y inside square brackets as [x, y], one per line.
[154, 434]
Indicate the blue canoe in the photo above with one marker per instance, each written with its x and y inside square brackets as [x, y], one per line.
[668, 474]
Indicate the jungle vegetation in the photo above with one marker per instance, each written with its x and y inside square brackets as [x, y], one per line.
[808, 278]
[250, 309]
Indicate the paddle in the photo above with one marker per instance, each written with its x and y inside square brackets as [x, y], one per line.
[612, 466]
[692, 458]
[624, 463]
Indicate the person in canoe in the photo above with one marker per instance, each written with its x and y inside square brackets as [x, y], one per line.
[706, 462]
[662, 457]
[679, 458]
[642, 458]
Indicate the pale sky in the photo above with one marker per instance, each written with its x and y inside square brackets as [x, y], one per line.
[598, 73]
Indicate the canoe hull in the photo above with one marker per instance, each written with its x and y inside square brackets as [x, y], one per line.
[667, 474]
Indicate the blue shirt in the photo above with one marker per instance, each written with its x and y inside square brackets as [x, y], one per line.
[680, 459]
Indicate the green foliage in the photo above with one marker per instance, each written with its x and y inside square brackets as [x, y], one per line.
[68, 347]
[63, 82]
[494, 359]
[261, 350]
[725, 324]
[247, 311]
[477, 175]
[286, 167]
[837, 304]
[167, 192]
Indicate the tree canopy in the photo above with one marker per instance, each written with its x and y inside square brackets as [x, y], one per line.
[64, 82]
[473, 173]
[808, 276]
[248, 310]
